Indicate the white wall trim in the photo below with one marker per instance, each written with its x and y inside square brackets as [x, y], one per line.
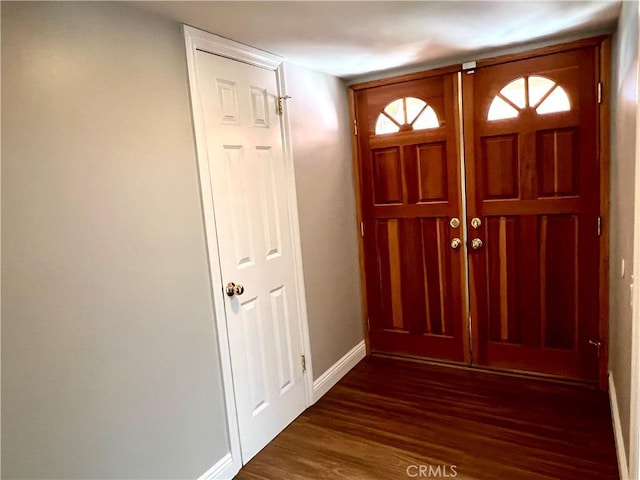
[222, 470]
[208, 42]
[634, 401]
[617, 431]
[292, 198]
[328, 379]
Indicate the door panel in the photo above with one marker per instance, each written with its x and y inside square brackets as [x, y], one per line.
[533, 181]
[248, 179]
[410, 192]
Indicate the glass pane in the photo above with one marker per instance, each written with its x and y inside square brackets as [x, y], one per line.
[414, 107]
[500, 109]
[396, 111]
[538, 88]
[514, 91]
[384, 125]
[558, 101]
[427, 119]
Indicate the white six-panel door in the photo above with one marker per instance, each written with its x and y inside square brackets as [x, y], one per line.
[249, 194]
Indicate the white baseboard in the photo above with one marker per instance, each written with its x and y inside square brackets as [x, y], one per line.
[328, 379]
[617, 430]
[224, 469]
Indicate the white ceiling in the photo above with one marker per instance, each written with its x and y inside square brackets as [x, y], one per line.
[351, 39]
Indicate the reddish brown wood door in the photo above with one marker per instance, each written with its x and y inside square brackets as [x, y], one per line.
[410, 192]
[533, 182]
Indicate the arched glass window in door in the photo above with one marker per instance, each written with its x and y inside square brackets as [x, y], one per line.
[540, 93]
[407, 113]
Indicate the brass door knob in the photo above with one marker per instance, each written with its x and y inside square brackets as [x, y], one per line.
[454, 222]
[455, 243]
[476, 222]
[476, 243]
[233, 289]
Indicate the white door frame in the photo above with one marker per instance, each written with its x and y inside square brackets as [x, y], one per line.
[634, 420]
[196, 40]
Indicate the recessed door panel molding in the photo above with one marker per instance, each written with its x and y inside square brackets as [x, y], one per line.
[559, 281]
[387, 176]
[515, 222]
[558, 155]
[269, 183]
[431, 175]
[239, 186]
[259, 107]
[255, 358]
[282, 329]
[228, 99]
[500, 167]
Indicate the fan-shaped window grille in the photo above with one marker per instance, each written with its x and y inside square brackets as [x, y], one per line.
[545, 95]
[406, 113]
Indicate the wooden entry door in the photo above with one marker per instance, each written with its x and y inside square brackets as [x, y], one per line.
[531, 141]
[410, 176]
[529, 258]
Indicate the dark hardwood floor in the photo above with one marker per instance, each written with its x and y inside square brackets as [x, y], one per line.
[387, 418]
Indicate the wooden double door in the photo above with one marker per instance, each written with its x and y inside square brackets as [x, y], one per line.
[480, 201]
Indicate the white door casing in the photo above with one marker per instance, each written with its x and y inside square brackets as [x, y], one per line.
[248, 196]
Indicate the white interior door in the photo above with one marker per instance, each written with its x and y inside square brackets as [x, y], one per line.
[248, 178]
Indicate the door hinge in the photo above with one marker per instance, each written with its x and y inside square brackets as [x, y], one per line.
[597, 344]
[599, 225]
[281, 104]
[599, 92]
[470, 341]
[362, 229]
[355, 128]
[303, 361]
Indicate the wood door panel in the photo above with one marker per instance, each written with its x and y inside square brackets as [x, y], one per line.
[428, 170]
[387, 176]
[557, 158]
[504, 282]
[532, 272]
[414, 273]
[559, 283]
[410, 191]
[501, 166]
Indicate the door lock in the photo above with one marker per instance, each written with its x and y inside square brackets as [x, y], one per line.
[233, 289]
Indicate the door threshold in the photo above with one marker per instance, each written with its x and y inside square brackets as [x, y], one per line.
[490, 370]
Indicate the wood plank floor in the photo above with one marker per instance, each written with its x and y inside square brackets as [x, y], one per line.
[387, 418]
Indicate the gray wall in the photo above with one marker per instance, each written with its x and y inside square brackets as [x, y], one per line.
[326, 202]
[110, 366]
[109, 361]
[623, 135]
